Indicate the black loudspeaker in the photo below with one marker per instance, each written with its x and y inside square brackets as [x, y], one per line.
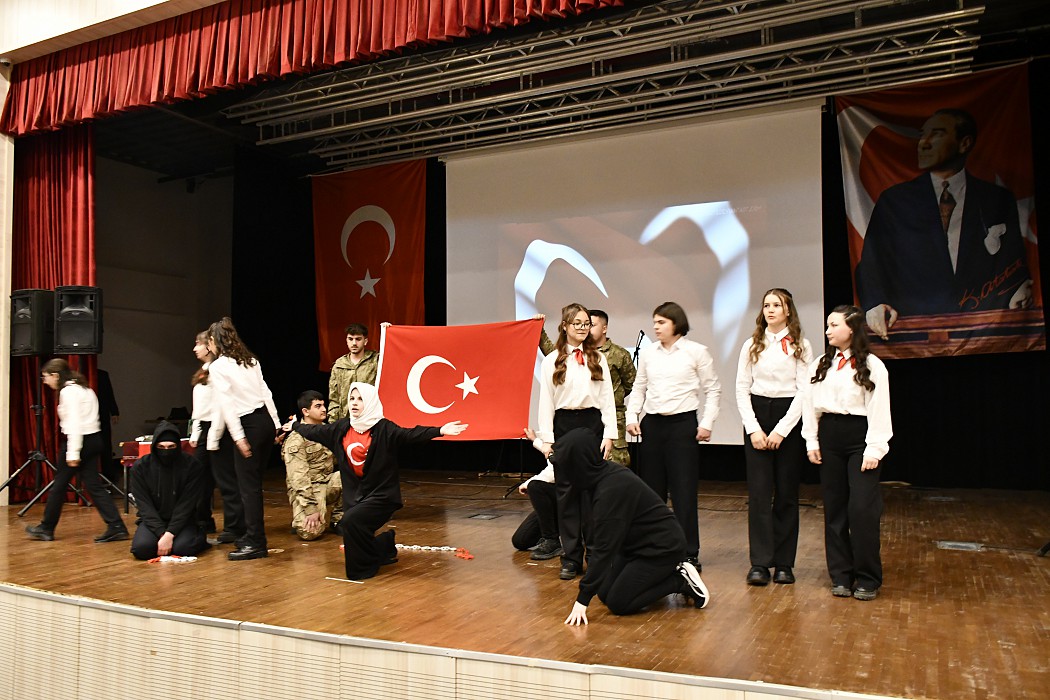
[32, 322]
[78, 320]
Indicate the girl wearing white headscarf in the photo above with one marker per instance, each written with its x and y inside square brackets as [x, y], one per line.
[365, 446]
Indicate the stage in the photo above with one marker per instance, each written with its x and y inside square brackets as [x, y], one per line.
[968, 621]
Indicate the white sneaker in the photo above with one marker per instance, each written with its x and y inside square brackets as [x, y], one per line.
[695, 585]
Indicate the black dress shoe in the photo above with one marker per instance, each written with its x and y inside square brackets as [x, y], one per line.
[226, 537]
[113, 533]
[784, 575]
[568, 572]
[247, 552]
[38, 532]
[758, 576]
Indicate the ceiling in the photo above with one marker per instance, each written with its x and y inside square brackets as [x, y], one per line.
[606, 70]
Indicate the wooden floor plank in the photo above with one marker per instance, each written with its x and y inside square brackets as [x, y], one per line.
[948, 624]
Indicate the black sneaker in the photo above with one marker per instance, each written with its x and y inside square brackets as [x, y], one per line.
[548, 548]
[568, 572]
[226, 537]
[37, 532]
[694, 585]
[113, 533]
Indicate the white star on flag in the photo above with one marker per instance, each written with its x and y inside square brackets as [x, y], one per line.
[368, 284]
[467, 385]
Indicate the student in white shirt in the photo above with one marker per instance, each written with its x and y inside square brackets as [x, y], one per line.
[207, 430]
[847, 428]
[78, 453]
[678, 390]
[243, 402]
[771, 376]
[575, 392]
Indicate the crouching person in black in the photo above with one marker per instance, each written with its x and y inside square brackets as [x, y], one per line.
[166, 486]
[637, 548]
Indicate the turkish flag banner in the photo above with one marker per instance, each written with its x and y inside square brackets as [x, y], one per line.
[369, 228]
[480, 375]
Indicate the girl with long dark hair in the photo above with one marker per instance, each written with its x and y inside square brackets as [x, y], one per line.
[575, 392]
[78, 453]
[847, 428]
[772, 374]
[245, 405]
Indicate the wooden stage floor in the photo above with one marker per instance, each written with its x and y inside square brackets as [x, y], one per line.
[948, 624]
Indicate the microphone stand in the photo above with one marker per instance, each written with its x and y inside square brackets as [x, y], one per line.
[638, 346]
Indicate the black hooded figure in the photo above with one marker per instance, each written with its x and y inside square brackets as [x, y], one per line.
[637, 548]
[166, 486]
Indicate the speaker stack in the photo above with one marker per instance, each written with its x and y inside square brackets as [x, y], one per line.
[67, 321]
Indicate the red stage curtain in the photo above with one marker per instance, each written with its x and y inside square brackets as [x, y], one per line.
[53, 244]
[241, 41]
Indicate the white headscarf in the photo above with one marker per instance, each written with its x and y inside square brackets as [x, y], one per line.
[373, 407]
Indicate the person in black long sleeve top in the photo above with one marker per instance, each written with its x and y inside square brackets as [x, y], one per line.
[637, 549]
[365, 446]
[166, 485]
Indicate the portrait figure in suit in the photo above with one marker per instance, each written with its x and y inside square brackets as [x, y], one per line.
[945, 242]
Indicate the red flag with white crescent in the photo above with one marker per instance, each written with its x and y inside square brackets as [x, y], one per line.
[369, 228]
[480, 375]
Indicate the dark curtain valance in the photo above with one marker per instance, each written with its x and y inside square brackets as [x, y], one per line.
[240, 41]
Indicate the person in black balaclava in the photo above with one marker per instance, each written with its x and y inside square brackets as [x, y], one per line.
[166, 486]
[637, 548]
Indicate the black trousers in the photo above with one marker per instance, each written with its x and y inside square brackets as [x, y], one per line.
[772, 489]
[573, 506]
[259, 431]
[225, 476]
[669, 463]
[364, 551]
[543, 520]
[90, 452]
[633, 584]
[189, 542]
[852, 503]
[203, 510]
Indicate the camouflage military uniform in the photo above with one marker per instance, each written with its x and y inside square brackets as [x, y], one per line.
[314, 486]
[345, 373]
[622, 369]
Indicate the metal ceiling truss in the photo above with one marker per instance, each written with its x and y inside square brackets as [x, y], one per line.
[663, 61]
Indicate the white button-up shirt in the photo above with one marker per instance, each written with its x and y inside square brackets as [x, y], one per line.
[838, 393]
[578, 391]
[672, 380]
[776, 375]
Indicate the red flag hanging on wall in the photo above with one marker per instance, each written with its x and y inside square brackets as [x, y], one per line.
[479, 375]
[369, 228]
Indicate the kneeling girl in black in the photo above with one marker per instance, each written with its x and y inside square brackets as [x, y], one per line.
[365, 446]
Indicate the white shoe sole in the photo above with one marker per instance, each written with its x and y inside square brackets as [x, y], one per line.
[696, 584]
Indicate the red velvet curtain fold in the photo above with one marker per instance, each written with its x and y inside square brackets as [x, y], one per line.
[241, 41]
[53, 244]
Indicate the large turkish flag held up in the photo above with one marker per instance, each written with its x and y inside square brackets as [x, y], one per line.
[480, 375]
[369, 228]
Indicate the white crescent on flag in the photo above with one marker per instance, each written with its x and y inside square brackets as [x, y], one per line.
[414, 377]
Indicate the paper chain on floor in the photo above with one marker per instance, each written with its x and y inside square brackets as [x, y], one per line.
[171, 559]
[461, 552]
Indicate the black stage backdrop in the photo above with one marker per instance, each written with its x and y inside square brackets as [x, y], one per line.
[971, 422]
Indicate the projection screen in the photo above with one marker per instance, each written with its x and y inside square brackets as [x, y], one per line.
[709, 214]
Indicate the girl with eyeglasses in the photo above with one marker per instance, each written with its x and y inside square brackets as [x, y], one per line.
[575, 392]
